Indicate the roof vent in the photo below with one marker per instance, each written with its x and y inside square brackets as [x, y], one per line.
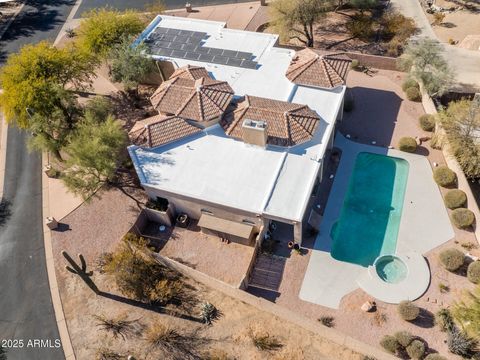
[255, 132]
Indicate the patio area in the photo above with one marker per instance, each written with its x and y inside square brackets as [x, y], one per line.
[227, 262]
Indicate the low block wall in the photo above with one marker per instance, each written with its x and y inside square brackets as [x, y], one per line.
[452, 163]
[264, 305]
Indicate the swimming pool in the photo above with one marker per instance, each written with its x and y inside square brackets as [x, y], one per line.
[371, 212]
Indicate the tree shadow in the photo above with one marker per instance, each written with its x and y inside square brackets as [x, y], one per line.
[425, 319]
[448, 25]
[153, 308]
[5, 211]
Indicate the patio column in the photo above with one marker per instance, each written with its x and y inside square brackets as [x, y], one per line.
[297, 232]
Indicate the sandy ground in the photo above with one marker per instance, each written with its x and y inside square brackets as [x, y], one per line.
[458, 24]
[97, 227]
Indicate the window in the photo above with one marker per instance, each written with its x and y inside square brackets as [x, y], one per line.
[249, 222]
[206, 211]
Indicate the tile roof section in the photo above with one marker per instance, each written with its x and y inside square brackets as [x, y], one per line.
[287, 124]
[312, 69]
[192, 94]
[160, 130]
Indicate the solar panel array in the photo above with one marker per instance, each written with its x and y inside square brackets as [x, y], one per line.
[186, 44]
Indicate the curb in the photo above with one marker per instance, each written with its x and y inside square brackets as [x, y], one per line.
[52, 278]
[9, 22]
[74, 10]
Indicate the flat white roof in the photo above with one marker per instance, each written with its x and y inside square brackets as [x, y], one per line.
[210, 166]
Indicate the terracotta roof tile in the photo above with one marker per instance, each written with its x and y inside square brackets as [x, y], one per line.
[192, 94]
[312, 69]
[287, 124]
[160, 130]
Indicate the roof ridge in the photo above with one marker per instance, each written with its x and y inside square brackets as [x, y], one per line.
[187, 101]
[242, 111]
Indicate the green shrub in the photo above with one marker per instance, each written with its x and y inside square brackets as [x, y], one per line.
[444, 320]
[390, 344]
[473, 272]
[455, 199]
[416, 349]
[462, 218]
[407, 144]
[443, 176]
[409, 83]
[413, 94]
[404, 338]
[355, 64]
[427, 122]
[452, 259]
[408, 310]
[435, 357]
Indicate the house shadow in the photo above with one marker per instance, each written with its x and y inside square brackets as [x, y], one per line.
[269, 295]
[373, 117]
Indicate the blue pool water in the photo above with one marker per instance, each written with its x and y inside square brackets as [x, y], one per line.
[372, 209]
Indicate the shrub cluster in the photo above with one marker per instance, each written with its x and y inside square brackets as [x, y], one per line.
[403, 341]
[427, 122]
[409, 83]
[435, 357]
[462, 218]
[452, 259]
[455, 199]
[413, 94]
[443, 176]
[473, 272]
[416, 349]
[408, 310]
[390, 344]
[407, 144]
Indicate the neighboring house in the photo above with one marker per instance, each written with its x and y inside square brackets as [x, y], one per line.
[243, 130]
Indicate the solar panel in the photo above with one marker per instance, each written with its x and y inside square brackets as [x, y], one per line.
[234, 62]
[176, 46]
[214, 51]
[248, 64]
[164, 52]
[160, 30]
[230, 53]
[217, 59]
[187, 44]
[192, 56]
[202, 49]
[244, 55]
[190, 47]
[172, 31]
[178, 53]
[206, 58]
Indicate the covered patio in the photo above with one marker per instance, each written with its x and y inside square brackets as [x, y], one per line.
[206, 252]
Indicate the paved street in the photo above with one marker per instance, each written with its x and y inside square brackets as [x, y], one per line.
[25, 303]
[466, 63]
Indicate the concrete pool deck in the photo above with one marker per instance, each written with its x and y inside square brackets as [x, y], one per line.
[424, 225]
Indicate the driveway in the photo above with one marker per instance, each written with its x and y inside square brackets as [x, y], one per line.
[466, 63]
[25, 302]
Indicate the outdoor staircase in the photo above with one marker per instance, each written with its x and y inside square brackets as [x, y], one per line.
[267, 272]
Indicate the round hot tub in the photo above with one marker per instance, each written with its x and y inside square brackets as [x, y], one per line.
[390, 268]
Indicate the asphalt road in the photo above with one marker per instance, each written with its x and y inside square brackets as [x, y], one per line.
[26, 311]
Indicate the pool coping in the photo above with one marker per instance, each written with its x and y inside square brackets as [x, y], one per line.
[412, 287]
[424, 225]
